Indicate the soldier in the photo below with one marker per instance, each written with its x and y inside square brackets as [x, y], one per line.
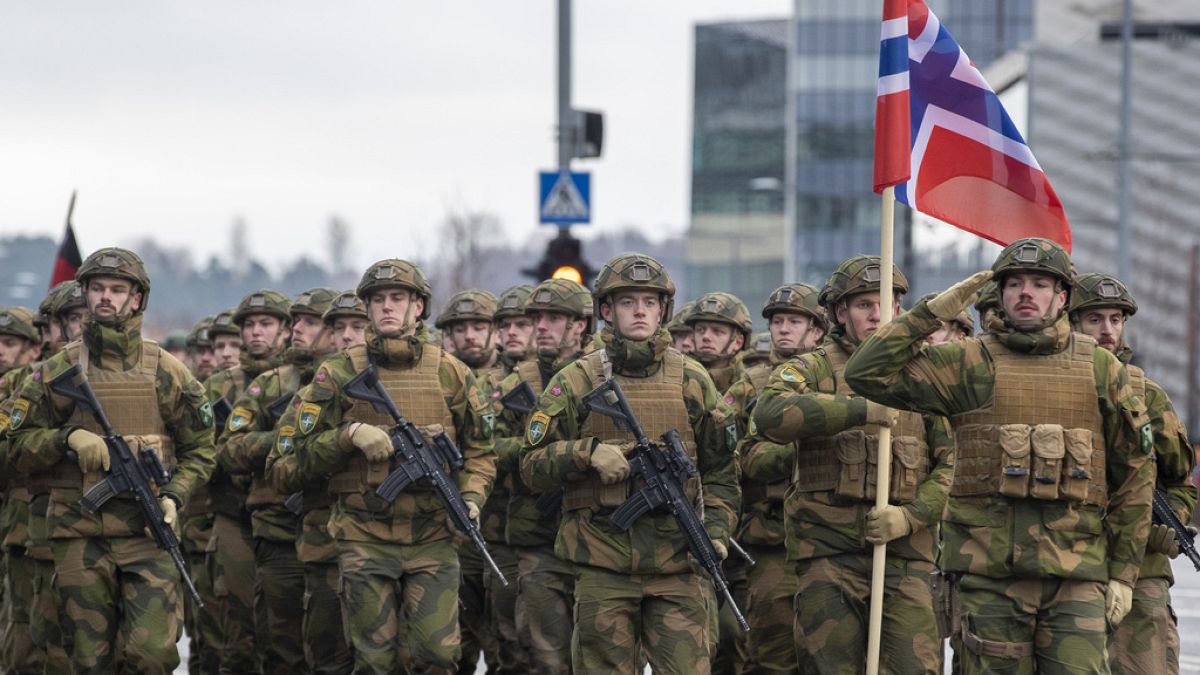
[200, 356]
[52, 335]
[227, 340]
[176, 345]
[467, 321]
[264, 321]
[636, 592]
[514, 330]
[326, 651]
[830, 519]
[1049, 510]
[721, 326]
[561, 313]
[249, 436]
[681, 333]
[758, 351]
[1147, 641]
[797, 324]
[119, 590]
[398, 561]
[962, 326]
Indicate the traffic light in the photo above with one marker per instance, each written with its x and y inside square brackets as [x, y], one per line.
[563, 260]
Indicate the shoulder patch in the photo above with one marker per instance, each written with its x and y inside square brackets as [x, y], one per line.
[556, 390]
[20, 411]
[284, 441]
[307, 419]
[206, 414]
[240, 417]
[790, 374]
[539, 423]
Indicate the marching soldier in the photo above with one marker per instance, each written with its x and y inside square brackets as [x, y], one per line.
[264, 321]
[120, 592]
[200, 356]
[347, 320]
[398, 561]
[1049, 510]
[797, 325]
[249, 436]
[830, 518]
[681, 333]
[721, 327]
[514, 330]
[636, 591]
[227, 340]
[1147, 641]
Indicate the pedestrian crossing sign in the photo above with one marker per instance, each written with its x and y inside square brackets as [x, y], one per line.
[564, 198]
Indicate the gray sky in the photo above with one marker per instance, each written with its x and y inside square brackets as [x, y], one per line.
[174, 117]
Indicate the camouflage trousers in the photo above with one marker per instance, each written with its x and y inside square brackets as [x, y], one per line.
[231, 568]
[510, 654]
[731, 653]
[46, 620]
[1025, 626]
[389, 591]
[620, 617]
[545, 597]
[203, 624]
[18, 655]
[279, 606]
[832, 606]
[121, 599]
[477, 636]
[772, 589]
[325, 648]
[1147, 641]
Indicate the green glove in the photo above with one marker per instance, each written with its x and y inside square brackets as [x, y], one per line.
[949, 303]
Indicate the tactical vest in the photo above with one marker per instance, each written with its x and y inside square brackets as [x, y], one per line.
[262, 492]
[1137, 380]
[1042, 437]
[657, 401]
[417, 392]
[755, 491]
[845, 463]
[528, 371]
[129, 399]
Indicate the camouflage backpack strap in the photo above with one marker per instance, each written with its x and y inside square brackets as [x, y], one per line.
[151, 353]
[1137, 380]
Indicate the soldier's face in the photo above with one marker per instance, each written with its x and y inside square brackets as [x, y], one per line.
[52, 333]
[636, 315]
[349, 332]
[555, 331]
[308, 332]
[393, 311]
[1107, 326]
[515, 334]
[227, 348]
[471, 337]
[204, 362]
[1031, 300]
[262, 333]
[793, 331]
[949, 332]
[14, 351]
[75, 320]
[111, 299]
[713, 339]
[861, 314]
[683, 342]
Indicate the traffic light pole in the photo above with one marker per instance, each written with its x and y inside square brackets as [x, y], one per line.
[566, 128]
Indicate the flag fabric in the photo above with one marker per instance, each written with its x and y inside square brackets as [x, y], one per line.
[68, 260]
[945, 141]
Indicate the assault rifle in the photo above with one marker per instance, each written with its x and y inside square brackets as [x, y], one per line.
[1164, 515]
[416, 460]
[127, 473]
[664, 468]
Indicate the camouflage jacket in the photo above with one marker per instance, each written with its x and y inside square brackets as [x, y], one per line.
[993, 535]
[320, 439]
[228, 491]
[39, 431]
[555, 454]
[800, 404]
[491, 387]
[14, 493]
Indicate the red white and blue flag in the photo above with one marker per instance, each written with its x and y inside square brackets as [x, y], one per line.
[945, 141]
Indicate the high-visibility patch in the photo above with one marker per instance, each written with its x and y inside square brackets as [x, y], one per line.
[309, 414]
[19, 413]
[239, 418]
[790, 374]
[538, 424]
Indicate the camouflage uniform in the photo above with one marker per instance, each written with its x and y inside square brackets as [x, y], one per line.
[677, 326]
[120, 592]
[727, 309]
[326, 650]
[231, 545]
[1147, 640]
[1051, 497]
[771, 583]
[398, 562]
[249, 436]
[833, 489]
[636, 592]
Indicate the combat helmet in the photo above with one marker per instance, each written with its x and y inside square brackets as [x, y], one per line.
[633, 272]
[314, 302]
[199, 337]
[472, 304]
[512, 302]
[1036, 255]
[120, 263]
[271, 303]
[798, 299]
[222, 324]
[565, 297]
[396, 273]
[346, 305]
[678, 323]
[859, 274]
[723, 308]
[18, 322]
[1100, 291]
[55, 300]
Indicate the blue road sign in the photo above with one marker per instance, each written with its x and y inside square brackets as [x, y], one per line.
[564, 199]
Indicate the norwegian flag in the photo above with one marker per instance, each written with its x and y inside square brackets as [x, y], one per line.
[945, 141]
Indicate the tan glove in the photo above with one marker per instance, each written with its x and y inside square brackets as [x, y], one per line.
[92, 452]
[610, 463]
[881, 414]
[887, 524]
[1162, 540]
[1118, 599]
[473, 512]
[722, 552]
[170, 513]
[374, 442]
[949, 303]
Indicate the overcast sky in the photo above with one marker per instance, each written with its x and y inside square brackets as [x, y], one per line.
[176, 117]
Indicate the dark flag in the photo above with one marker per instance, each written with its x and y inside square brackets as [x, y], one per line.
[68, 260]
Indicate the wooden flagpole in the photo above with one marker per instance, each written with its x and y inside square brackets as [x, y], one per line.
[883, 475]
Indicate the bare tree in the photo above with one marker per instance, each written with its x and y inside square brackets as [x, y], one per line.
[239, 246]
[467, 237]
[338, 235]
